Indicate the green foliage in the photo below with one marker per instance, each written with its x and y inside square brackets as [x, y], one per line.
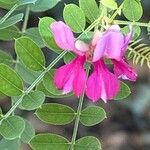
[10, 33]
[33, 100]
[5, 58]
[28, 133]
[11, 21]
[87, 37]
[34, 34]
[68, 57]
[132, 10]
[9, 1]
[29, 76]
[74, 17]
[136, 31]
[49, 141]
[140, 53]
[15, 99]
[46, 34]
[110, 4]
[90, 9]
[4, 5]
[92, 115]
[39, 80]
[124, 92]
[48, 83]
[10, 144]
[88, 143]
[30, 54]
[18, 2]
[25, 2]
[43, 5]
[56, 114]
[7, 84]
[148, 29]
[12, 127]
[41, 87]
[53, 141]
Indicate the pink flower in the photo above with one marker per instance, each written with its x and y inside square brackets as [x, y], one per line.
[102, 83]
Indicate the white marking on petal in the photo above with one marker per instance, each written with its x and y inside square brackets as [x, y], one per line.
[81, 46]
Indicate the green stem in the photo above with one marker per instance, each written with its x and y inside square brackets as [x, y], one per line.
[115, 13]
[78, 117]
[77, 122]
[17, 60]
[9, 13]
[25, 23]
[132, 23]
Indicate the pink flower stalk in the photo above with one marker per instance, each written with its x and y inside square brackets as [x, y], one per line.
[101, 83]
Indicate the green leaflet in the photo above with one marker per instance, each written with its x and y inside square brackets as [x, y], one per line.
[90, 9]
[49, 141]
[92, 115]
[74, 17]
[28, 132]
[56, 114]
[132, 10]
[124, 92]
[88, 143]
[11, 21]
[30, 54]
[7, 84]
[43, 5]
[12, 127]
[46, 34]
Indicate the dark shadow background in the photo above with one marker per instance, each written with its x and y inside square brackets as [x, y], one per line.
[128, 124]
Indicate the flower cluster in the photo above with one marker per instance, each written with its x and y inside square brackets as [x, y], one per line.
[102, 83]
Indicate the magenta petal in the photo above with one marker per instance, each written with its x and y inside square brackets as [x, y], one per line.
[93, 90]
[64, 36]
[68, 85]
[110, 84]
[71, 77]
[80, 78]
[63, 74]
[124, 71]
[102, 83]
